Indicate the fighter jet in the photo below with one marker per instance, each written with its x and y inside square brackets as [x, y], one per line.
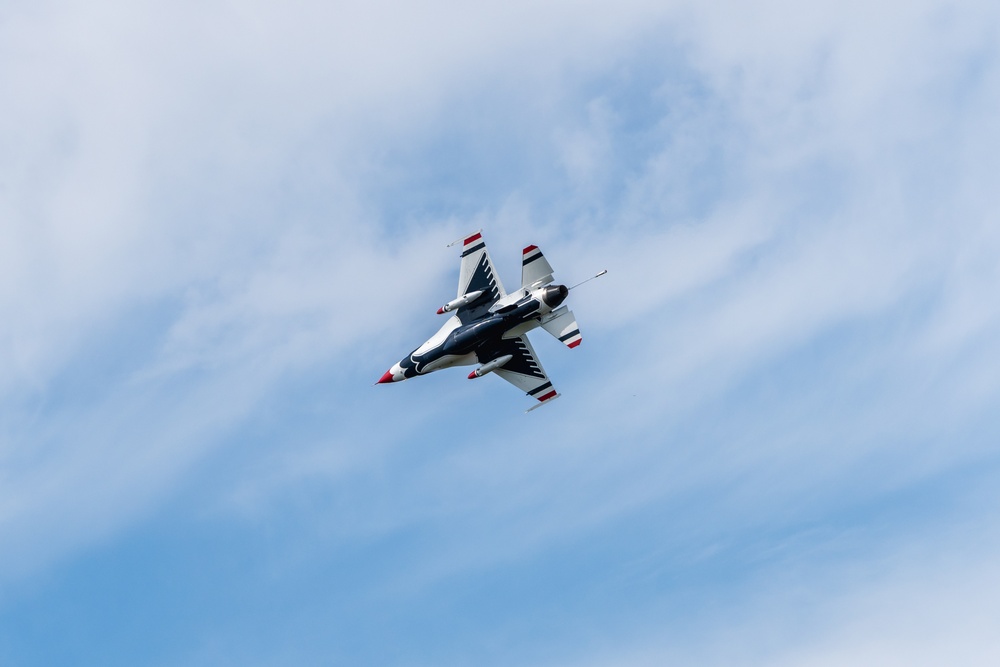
[489, 327]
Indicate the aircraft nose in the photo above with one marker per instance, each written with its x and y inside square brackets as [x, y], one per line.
[387, 377]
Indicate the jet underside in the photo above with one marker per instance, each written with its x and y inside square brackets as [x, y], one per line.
[488, 326]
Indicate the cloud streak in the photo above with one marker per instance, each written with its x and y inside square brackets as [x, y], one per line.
[223, 223]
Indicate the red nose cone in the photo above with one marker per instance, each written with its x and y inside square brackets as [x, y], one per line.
[386, 378]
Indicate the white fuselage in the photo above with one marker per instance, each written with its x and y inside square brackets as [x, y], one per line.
[456, 343]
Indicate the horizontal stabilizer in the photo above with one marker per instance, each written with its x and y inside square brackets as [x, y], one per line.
[535, 269]
[563, 326]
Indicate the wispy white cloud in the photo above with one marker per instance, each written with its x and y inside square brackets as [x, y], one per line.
[804, 188]
[905, 602]
[701, 306]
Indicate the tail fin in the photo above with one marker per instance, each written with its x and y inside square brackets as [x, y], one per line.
[561, 323]
[535, 269]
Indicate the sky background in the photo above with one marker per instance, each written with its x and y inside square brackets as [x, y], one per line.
[221, 222]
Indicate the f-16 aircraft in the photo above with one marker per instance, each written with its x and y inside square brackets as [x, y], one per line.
[489, 327]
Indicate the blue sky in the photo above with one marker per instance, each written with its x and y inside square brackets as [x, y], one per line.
[222, 222]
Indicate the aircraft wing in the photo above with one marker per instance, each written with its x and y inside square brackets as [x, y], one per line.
[477, 273]
[524, 371]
